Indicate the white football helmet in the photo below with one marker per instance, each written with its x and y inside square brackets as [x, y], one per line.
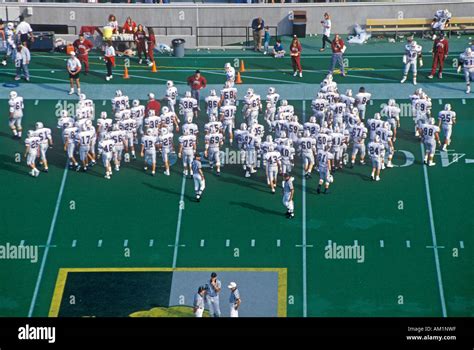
[151, 113]
[431, 121]
[151, 95]
[355, 111]
[312, 119]
[306, 133]
[271, 148]
[187, 94]
[82, 97]
[169, 83]
[227, 66]
[103, 115]
[38, 125]
[164, 109]
[243, 126]
[212, 118]
[377, 138]
[283, 134]
[447, 107]
[391, 102]
[149, 132]
[271, 90]
[295, 118]
[269, 138]
[228, 84]
[30, 133]
[164, 131]
[189, 119]
[284, 103]
[63, 114]
[115, 127]
[249, 92]
[377, 116]
[213, 92]
[135, 103]
[118, 93]
[13, 94]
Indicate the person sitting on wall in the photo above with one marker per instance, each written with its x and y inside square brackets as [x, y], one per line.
[278, 51]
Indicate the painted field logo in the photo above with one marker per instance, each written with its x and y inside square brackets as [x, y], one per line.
[37, 333]
[345, 252]
[20, 252]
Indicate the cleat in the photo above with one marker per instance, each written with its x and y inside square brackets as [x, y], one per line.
[295, 74]
[253, 171]
[301, 75]
[152, 173]
[414, 81]
[78, 167]
[318, 190]
[145, 168]
[166, 172]
[377, 178]
[71, 92]
[247, 174]
[431, 164]
[372, 177]
[403, 80]
[273, 191]
[291, 216]
[444, 148]
[198, 198]
[430, 76]
[468, 90]
[84, 169]
[107, 177]
[389, 165]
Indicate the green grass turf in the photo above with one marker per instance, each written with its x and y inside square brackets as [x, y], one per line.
[138, 207]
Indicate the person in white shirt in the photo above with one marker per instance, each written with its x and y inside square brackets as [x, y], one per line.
[22, 60]
[74, 68]
[326, 24]
[109, 57]
[24, 32]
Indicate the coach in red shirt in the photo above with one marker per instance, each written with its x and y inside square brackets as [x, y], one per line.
[338, 47]
[152, 105]
[196, 82]
[440, 52]
[82, 47]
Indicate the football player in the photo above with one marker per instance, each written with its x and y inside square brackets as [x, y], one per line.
[165, 145]
[106, 150]
[312, 126]
[171, 95]
[373, 124]
[46, 141]
[324, 166]
[446, 120]
[32, 150]
[212, 104]
[287, 152]
[229, 73]
[376, 153]
[138, 113]
[119, 102]
[467, 63]
[240, 138]
[228, 93]
[198, 176]
[169, 119]
[128, 124]
[410, 59]
[16, 108]
[307, 148]
[190, 127]
[430, 135]
[104, 125]
[187, 148]
[392, 111]
[119, 137]
[338, 139]
[385, 135]
[213, 141]
[148, 150]
[273, 164]
[188, 106]
[70, 136]
[153, 122]
[84, 141]
[361, 100]
[358, 135]
[228, 119]
[251, 144]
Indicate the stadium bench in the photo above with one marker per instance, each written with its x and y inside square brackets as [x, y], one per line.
[389, 25]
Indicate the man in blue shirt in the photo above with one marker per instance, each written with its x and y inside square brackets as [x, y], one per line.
[278, 50]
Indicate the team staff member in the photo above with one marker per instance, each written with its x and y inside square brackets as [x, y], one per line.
[151, 42]
[295, 53]
[198, 176]
[82, 47]
[234, 299]
[25, 32]
[152, 105]
[213, 289]
[74, 68]
[338, 48]
[198, 304]
[140, 41]
[196, 82]
[109, 57]
[326, 23]
[440, 53]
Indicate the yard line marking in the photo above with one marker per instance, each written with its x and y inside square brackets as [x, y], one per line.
[433, 235]
[48, 242]
[152, 242]
[202, 243]
[435, 247]
[463, 101]
[22, 242]
[252, 243]
[125, 243]
[440, 101]
[278, 243]
[371, 102]
[36, 102]
[74, 243]
[461, 244]
[356, 242]
[227, 242]
[303, 231]
[104, 102]
[469, 161]
[99, 243]
[408, 244]
[178, 226]
[381, 244]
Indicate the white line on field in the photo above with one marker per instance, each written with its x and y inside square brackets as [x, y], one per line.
[99, 243]
[227, 242]
[202, 243]
[408, 244]
[278, 243]
[461, 244]
[381, 243]
[125, 243]
[74, 243]
[252, 243]
[178, 225]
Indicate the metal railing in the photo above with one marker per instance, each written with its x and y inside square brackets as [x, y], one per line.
[246, 33]
[168, 30]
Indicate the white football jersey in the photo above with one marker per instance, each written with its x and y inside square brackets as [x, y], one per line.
[359, 133]
[391, 112]
[191, 127]
[362, 98]
[85, 138]
[229, 94]
[70, 134]
[104, 125]
[257, 130]
[273, 159]
[312, 127]
[187, 104]
[149, 142]
[307, 144]
[172, 93]
[188, 142]
[166, 141]
[287, 152]
[65, 122]
[120, 103]
[323, 158]
[429, 131]
[44, 134]
[107, 146]
[214, 140]
[153, 122]
[447, 117]
[337, 139]
[412, 52]
[33, 142]
[384, 134]
[319, 105]
[119, 138]
[212, 104]
[375, 150]
[16, 106]
[138, 112]
[228, 113]
[273, 99]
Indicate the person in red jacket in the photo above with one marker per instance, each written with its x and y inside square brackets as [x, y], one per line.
[151, 41]
[152, 105]
[440, 52]
[338, 48]
[295, 53]
[196, 82]
[129, 26]
[82, 47]
[140, 40]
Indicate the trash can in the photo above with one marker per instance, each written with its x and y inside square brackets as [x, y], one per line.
[178, 47]
[299, 24]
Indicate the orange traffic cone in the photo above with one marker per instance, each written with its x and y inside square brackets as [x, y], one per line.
[239, 79]
[125, 73]
[242, 66]
[153, 67]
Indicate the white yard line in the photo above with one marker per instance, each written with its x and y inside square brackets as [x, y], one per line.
[48, 242]
[178, 225]
[433, 235]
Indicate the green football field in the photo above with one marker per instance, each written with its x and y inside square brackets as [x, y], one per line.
[415, 225]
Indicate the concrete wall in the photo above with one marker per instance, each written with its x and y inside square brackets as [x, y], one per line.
[344, 15]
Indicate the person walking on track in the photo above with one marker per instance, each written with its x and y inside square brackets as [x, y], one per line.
[338, 48]
[295, 53]
[234, 299]
[82, 47]
[198, 303]
[213, 289]
[326, 24]
[440, 53]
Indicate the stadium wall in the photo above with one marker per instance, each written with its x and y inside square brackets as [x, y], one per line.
[344, 15]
